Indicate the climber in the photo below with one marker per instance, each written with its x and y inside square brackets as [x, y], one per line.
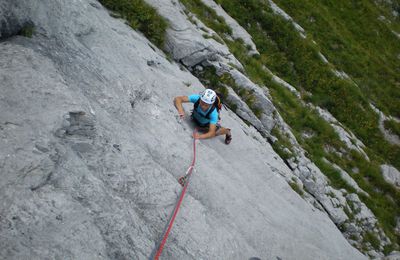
[204, 115]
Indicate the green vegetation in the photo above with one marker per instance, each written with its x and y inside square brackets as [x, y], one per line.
[208, 16]
[210, 78]
[334, 176]
[393, 127]
[282, 143]
[372, 239]
[350, 214]
[297, 61]
[140, 16]
[296, 188]
[353, 237]
[215, 37]
[27, 31]
[352, 35]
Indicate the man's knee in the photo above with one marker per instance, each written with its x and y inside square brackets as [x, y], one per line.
[220, 131]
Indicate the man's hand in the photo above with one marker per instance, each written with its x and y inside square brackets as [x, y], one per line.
[196, 135]
[211, 133]
[178, 104]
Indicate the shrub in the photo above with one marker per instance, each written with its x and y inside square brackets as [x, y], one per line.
[393, 127]
[372, 239]
[142, 17]
[208, 16]
[28, 30]
[296, 188]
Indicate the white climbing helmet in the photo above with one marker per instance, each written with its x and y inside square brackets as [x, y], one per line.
[208, 96]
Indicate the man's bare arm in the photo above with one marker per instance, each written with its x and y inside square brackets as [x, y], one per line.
[178, 104]
[211, 133]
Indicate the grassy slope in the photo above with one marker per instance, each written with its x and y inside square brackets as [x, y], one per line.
[355, 41]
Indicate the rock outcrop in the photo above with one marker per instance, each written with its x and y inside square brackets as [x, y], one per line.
[11, 23]
[347, 137]
[185, 41]
[389, 136]
[92, 149]
[237, 31]
[391, 174]
[282, 13]
[305, 173]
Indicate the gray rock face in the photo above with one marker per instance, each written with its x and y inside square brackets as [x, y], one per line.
[91, 150]
[389, 136]
[397, 229]
[334, 202]
[237, 31]
[185, 42]
[262, 101]
[347, 137]
[347, 178]
[244, 112]
[364, 214]
[286, 85]
[395, 255]
[306, 175]
[10, 23]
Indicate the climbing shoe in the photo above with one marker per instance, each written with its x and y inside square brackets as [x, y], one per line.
[228, 138]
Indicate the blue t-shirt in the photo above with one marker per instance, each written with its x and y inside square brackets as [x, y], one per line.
[200, 115]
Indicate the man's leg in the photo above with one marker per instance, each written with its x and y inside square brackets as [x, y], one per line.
[199, 127]
[223, 131]
[202, 128]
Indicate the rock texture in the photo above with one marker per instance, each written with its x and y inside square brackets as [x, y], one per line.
[304, 173]
[282, 13]
[185, 41]
[346, 210]
[347, 137]
[389, 136]
[92, 149]
[237, 31]
[262, 101]
[347, 178]
[11, 23]
[391, 174]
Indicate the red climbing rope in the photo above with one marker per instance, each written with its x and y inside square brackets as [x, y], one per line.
[178, 204]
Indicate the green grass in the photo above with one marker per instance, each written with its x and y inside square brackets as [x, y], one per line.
[296, 188]
[393, 127]
[282, 143]
[140, 16]
[333, 175]
[372, 239]
[297, 61]
[354, 40]
[210, 79]
[27, 31]
[208, 16]
[214, 36]
[384, 199]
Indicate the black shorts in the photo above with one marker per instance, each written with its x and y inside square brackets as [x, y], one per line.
[197, 123]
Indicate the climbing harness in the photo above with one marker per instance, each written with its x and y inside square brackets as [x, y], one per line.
[186, 179]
